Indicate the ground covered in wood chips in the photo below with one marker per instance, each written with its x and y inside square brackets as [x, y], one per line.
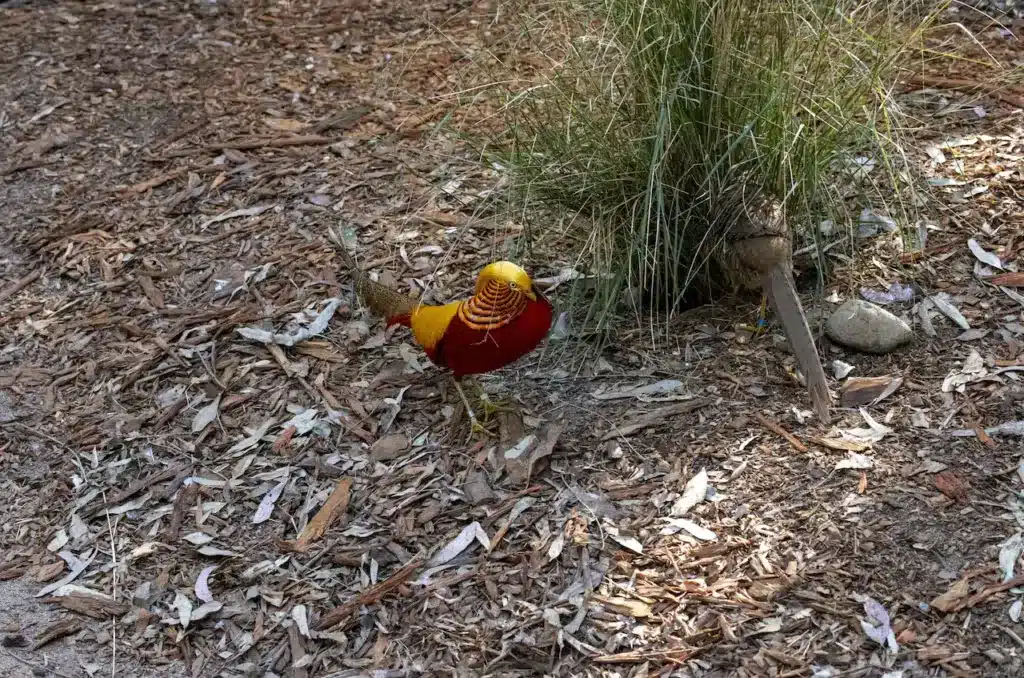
[184, 499]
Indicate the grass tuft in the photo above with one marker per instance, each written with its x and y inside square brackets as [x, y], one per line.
[646, 113]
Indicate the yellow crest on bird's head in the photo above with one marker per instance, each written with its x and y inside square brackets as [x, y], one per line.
[508, 274]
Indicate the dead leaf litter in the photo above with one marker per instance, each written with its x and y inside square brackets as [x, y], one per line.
[216, 461]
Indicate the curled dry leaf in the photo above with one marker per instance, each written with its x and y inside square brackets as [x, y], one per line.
[841, 370]
[842, 444]
[944, 304]
[317, 326]
[560, 330]
[184, 608]
[951, 485]
[1009, 553]
[855, 461]
[624, 540]
[877, 626]
[695, 492]
[627, 606]
[266, 506]
[859, 391]
[389, 447]
[982, 255]
[465, 538]
[202, 586]
[521, 459]
[951, 599]
[206, 414]
[335, 506]
[675, 525]
[658, 388]
[973, 369]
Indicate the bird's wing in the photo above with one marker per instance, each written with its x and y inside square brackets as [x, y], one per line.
[429, 323]
[779, 286]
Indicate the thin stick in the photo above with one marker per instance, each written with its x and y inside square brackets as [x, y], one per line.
[36, 668]
[778, 430]
[19, 285]
[344, 612]
[465, 401]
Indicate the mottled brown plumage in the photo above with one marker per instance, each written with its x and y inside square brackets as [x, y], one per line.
[757, 252]
[381, 299]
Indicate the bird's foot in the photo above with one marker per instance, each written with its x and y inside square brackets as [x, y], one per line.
[489, 408]
[478, 430]
[761, 326]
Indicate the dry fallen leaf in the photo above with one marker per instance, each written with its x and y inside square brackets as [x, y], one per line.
[859, 391]
[389, 447]
[842, 444]
[951, 485]
[334, 507]
[951, 599]
[205, 416]
[521, 459]
[285, 124]
[626, 606]
[694, 493]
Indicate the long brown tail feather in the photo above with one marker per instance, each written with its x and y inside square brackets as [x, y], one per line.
[780, 289]
[381, 299]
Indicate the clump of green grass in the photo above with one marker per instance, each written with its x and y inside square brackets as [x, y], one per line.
[653, 110]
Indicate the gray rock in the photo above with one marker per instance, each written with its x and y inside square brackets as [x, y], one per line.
[863, 326]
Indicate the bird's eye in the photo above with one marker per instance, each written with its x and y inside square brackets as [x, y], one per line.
[513, 285]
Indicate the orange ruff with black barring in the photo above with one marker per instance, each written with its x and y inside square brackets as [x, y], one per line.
[492, 329]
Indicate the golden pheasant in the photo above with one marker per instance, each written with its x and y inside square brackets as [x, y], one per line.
[506, 318]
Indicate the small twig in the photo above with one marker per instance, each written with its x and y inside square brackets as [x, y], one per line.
[1017, 639]
[20, 284]
[152, 183]
[181, 134]
[957, 83]
[778, 430]
[454, 580]
[140, 485]
[34, 432]
[111, 526]
[344, 612]
[37, 669]
[280, 142]
[990, 591]
[676, 656]
[22, 166]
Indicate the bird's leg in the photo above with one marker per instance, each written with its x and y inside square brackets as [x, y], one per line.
[762, 315]
[761, 326]
[475, 425]
[489, 407]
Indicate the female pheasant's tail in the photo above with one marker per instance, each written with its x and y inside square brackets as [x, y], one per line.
[780, 289]
[383, 301]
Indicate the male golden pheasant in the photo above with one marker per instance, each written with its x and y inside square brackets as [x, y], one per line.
[506, 318]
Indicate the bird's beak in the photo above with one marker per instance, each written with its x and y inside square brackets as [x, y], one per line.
[532, 293]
